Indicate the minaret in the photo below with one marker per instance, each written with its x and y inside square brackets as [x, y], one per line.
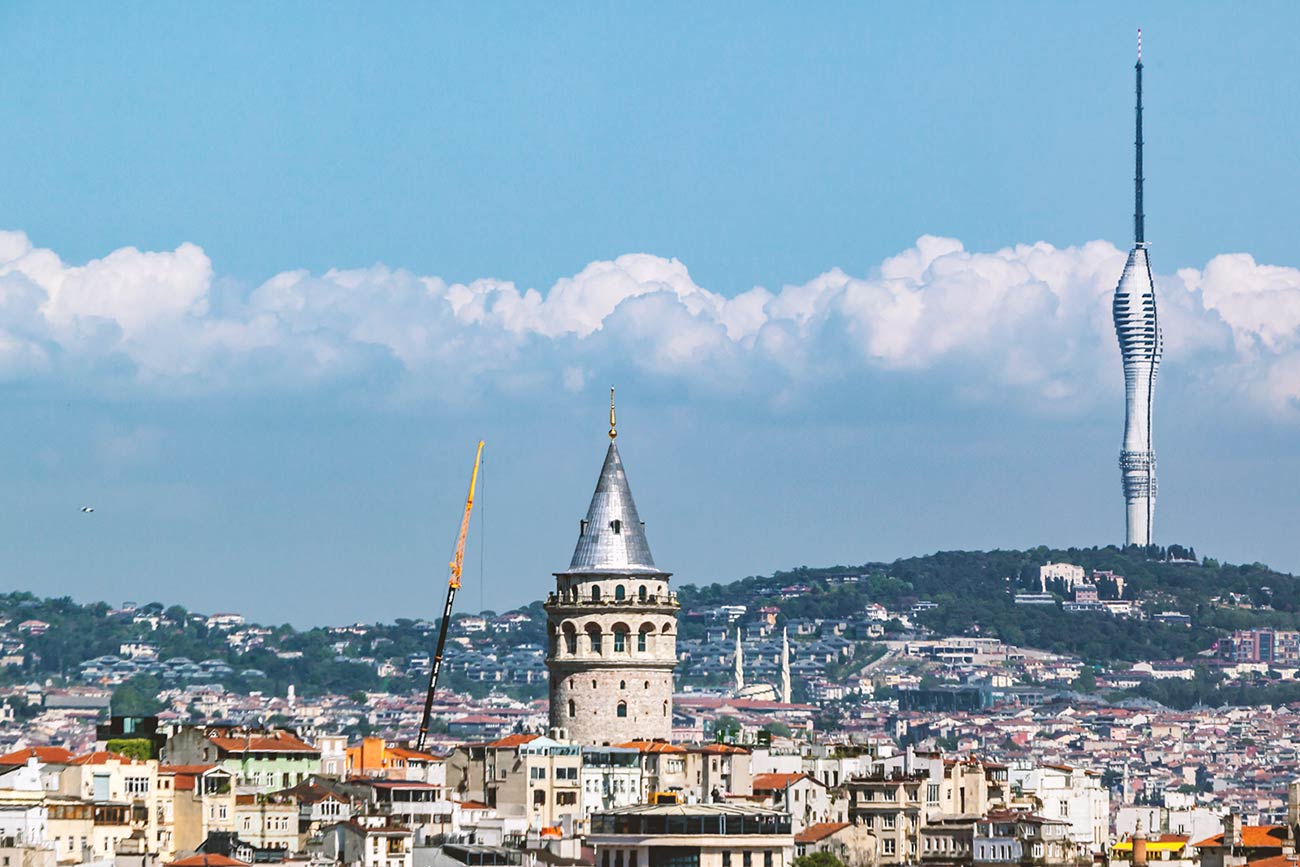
[740, 664]
[612, 624]
[1140, 345]
[786, 694]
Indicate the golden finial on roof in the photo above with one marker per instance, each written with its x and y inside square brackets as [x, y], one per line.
[613, 425]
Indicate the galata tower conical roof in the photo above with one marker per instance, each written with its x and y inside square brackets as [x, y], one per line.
[612, 537]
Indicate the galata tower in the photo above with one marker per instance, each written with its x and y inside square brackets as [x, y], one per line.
[612, 624]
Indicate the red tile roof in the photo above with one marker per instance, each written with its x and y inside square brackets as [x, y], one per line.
[280, 742]
[1273, 861]
[771, 782]
[653, 747]
[409, 755]
[513, 741]
[720, 749]
[205, 859]
[46, 755]
[820, 831]
[1252, 837]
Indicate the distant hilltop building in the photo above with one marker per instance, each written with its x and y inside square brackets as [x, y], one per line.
[612, 624]
[1067, 573]
[1140, 344]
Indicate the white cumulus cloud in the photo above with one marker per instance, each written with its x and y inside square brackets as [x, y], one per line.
[1032, 321]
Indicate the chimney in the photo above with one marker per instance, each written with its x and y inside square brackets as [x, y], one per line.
[1232, 828]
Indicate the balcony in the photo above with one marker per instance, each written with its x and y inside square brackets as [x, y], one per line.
[629, 603]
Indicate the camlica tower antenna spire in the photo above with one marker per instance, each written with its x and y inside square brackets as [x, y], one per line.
[1137, 327]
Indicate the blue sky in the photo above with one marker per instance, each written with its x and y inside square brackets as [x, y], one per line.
[268, 273]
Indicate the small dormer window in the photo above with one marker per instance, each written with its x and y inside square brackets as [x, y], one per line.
[616, 525]
[582, 527]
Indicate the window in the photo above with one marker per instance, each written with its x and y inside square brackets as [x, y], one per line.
[620, 593]
[620, 641]
[890, 821]
[640, 642]
[747, 859]
[537, 773]
[617, 526]
[889, 846]
[726, 859]
[641, 594]
[595, 592]
[137, 785]
[932, 793]
[539, 797]
[622, 709]
[573, 709]
[593, 635]
[622, 684]
[767, 858]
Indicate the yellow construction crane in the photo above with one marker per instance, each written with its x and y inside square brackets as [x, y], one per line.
[453, 584]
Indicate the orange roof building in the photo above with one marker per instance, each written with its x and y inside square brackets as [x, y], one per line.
[373, 757]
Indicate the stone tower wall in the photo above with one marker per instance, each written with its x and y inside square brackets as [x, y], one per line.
[629, 664]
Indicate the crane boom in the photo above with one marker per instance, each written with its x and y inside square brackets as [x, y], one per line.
[453, 584]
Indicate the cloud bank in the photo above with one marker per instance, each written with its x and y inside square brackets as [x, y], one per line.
[1031, 322]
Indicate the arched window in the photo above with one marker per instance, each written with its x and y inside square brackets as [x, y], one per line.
[593, 638]
[641, 640]
[640, 593]
[622, 708]
[570, 640]
[622, 684]
[573, 709]
[595, 592]
[647, 684]
[665, 708]
[620, 593]
[620, 638]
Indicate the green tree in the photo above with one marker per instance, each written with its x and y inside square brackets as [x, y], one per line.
[136, 748]
[137, 697]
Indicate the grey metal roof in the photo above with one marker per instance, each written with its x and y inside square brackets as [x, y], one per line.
[612, 538]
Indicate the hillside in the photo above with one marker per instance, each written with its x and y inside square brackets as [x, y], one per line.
[972, 593]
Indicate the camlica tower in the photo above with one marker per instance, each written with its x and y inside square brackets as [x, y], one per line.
[1140, 344]
[612, 624]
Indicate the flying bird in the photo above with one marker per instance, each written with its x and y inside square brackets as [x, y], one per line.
[87, 509]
